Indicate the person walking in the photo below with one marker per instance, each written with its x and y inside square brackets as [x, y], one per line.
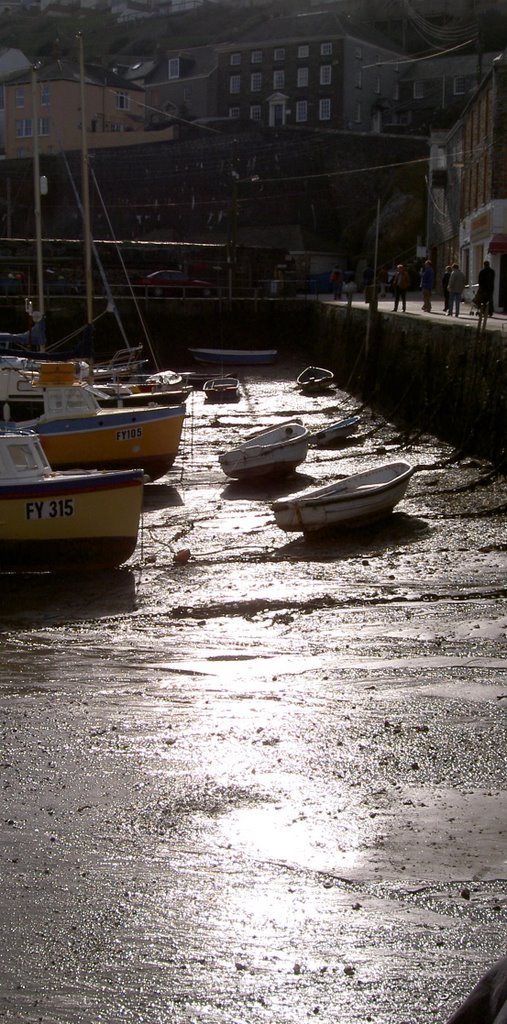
[427, 282]
[400, 283]
[382, 279]
[457, 282]
[445, 286]
[487, 286]
[336, 280]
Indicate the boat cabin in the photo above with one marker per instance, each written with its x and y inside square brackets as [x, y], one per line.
[22, 458]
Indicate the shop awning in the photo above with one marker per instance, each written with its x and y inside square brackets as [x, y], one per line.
[498, 244]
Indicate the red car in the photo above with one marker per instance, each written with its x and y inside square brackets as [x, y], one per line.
[174, 282]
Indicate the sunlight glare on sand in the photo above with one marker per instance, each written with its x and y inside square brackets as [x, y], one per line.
[284, 835]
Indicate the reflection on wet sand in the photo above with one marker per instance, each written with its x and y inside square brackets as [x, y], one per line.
[266, 783]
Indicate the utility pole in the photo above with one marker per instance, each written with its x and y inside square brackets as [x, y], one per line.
[233, 220]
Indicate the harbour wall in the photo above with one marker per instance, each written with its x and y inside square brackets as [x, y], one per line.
[434, 376]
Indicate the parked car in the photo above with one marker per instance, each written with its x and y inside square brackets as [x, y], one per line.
[57, 284]
[173, 282]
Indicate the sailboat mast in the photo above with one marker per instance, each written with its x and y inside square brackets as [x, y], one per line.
[37, 192]
[85, 191]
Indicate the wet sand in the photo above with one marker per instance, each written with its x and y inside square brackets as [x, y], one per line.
[268, 783]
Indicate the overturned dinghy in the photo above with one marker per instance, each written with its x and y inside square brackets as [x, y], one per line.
[356, 500]
[277, 451]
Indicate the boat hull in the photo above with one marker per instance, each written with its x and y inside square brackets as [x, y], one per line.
[328, 507]
[335, 433]
[221, 389]
[315, 378]
[115, 439]
[263, 457]
[234, 357]
[74, 522]
[275, 465]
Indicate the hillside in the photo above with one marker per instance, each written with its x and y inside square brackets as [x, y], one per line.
[104, 39]
[41, 37]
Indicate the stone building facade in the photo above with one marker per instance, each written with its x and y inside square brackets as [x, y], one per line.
[470, 161]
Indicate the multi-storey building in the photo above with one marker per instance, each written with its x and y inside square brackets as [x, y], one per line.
[434, 91]
[114, 110]
[309, 70]
[470, 161]
[181, 85]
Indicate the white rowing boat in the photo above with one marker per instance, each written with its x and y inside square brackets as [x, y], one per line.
[356, 500]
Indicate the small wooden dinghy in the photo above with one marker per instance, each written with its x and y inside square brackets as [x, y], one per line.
[221, 389]
[315, 378]
[358, 499]
[277, 451]
[335, 432]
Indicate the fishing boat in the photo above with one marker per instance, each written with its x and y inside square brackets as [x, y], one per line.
[221, 389]
[274, 452]
[75, 431]
[315, 378]
[234, 356]
[335, 433]
[354, 501]
[52, 521]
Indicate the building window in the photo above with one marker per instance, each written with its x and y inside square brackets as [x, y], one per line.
[44, 126]
[326, 49]
[301, 111]
[44, 94]
[324, 110]
[418, 90]
[358, 117]
[20, 97]
[359, 79]
[278, 79]
[256, 81]
[122, 101]
[256, 57]
[235, 58]
[174, 67]
[235, 83]
[279, 53]
[302, 78]
[325, 74]
[24, 128]
[459, 85]
[233, 112]
[303, 51]
[255, 112]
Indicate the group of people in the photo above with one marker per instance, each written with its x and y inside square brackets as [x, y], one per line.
[453, 285]
[454, 281]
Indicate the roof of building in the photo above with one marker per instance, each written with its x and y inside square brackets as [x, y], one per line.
[195, 61]
[311, 25]
[69, 71]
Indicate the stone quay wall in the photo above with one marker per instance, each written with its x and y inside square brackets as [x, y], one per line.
[445, 379]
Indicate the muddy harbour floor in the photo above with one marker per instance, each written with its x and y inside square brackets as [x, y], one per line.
[267, 785]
